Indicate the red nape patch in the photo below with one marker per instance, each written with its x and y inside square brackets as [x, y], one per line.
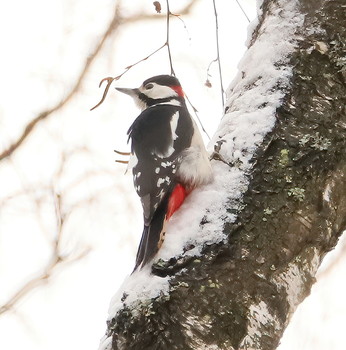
[176, 200]
[178, 89]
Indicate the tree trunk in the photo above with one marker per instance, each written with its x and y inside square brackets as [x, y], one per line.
[241, 291]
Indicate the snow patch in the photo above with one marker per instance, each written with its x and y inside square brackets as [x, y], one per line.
[106, 343]
[210, 197]
[139, 286]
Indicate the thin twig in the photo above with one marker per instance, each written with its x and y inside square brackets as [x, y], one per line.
[184, 24]
[243, 11]
[207, 82]
[218, 54]
[111, 79]
[196, 114]
[122, 153]
[167, 39]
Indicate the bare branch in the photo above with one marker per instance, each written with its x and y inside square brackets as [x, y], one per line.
[218, 54]
[167, 39]
[40, 279]
[57, 257]
[207, 82]
[248, 19]
[113, 25]
[196, 114]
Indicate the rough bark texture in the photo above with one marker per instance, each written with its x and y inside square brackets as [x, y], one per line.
[240, 295]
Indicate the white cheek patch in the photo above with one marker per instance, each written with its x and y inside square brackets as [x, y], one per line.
[174, 136]
[159, 91]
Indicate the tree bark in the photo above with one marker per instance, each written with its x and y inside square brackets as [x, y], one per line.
[241, 293]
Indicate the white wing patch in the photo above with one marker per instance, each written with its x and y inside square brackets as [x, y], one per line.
[166, 164]
[162, 180]
[132, 161]
[169, 151]
[159, 91]
[174, 124]
[161, 194]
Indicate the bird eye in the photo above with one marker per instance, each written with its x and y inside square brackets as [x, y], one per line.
[148, 86]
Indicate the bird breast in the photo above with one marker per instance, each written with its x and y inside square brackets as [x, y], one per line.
[195, 169]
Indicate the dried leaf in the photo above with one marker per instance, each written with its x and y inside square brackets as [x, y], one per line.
[157, 6]
[208, 83]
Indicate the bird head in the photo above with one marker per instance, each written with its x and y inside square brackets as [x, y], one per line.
[155, 90]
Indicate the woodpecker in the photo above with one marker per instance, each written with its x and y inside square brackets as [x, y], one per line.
[168, 157]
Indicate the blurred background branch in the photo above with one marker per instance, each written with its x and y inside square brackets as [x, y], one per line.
[116, 21]
[112, 27]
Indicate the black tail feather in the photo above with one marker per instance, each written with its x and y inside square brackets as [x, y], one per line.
[142, 245]
[150, 241]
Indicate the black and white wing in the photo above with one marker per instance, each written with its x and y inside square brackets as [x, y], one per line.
[158, 136]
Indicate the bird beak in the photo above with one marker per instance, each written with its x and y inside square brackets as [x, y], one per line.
[130, 92]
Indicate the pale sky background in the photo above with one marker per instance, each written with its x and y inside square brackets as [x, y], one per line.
[44, 45]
